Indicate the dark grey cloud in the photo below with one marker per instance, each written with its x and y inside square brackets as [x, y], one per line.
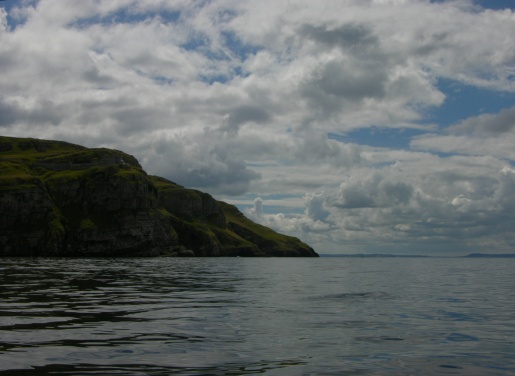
[354, 82]
[140, 119]
[313, 148]
[398, 193]
[430, 42]
[8, 114]
[486, 134]
[505, 193]
[375, 191]
[337, 87]
[354, 198]
[7, 61]
[43, 112]
[346, 36]
[204, 163]
[229, 177]
[94, 76]
[245, 114]
[316, 207]
[488, 124]
[360, 70]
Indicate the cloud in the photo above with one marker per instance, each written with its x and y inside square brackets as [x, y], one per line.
[456, 207]
[374, 191]
[199, 162]
[487, 124]
[36, 114]
[486, 134]
[4, 25]
[316, 206]
[345, 36]
[293, 223]
[245, 114]
[238, 98]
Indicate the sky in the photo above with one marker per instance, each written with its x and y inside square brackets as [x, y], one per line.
[358, 126]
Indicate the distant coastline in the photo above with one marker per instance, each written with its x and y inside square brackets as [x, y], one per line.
[373, 255]
[379, 255]
[494, 255]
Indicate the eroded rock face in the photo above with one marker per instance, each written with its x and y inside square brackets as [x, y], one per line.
[109, 213]
[194, 204]
[26, 222]
[59, 199]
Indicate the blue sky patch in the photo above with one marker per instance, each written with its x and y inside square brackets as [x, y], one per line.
[126, 16]
[393, 138]
[237, 47]
[496, 4]
[464, 101]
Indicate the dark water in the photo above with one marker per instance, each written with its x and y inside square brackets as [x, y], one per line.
[257, 316]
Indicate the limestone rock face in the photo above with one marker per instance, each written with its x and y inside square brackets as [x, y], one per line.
[60, 199]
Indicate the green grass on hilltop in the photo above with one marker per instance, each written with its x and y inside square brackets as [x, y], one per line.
[97, 190]
[261, 235]
[25, 161]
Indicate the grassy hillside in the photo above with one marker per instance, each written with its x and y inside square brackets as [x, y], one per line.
[57, 198]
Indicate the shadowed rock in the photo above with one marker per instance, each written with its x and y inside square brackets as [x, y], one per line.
[60, 199]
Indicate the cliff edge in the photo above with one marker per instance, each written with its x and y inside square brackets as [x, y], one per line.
[61, 199]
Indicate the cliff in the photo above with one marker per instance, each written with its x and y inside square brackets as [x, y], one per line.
[60, 199]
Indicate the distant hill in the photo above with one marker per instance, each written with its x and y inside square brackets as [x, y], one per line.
[496, 255]
[61, 199]
[374, 255]
[379, 255]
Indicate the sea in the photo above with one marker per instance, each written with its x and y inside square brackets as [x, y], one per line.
[257, 316]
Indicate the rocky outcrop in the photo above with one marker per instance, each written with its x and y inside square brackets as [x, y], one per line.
[60, 199]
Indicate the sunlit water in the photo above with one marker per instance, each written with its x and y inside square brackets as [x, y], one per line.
[239, 316]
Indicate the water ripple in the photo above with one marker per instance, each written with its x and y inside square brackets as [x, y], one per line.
[256, 316]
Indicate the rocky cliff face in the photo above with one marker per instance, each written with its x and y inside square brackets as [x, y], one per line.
[60, 199]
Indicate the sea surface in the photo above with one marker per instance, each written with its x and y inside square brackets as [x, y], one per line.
[271, 316]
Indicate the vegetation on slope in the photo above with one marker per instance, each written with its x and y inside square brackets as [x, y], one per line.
[57, 198]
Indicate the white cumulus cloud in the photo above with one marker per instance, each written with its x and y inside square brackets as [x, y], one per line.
[237, 98]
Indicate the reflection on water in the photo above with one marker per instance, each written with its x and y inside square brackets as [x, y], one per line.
[241, 316]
